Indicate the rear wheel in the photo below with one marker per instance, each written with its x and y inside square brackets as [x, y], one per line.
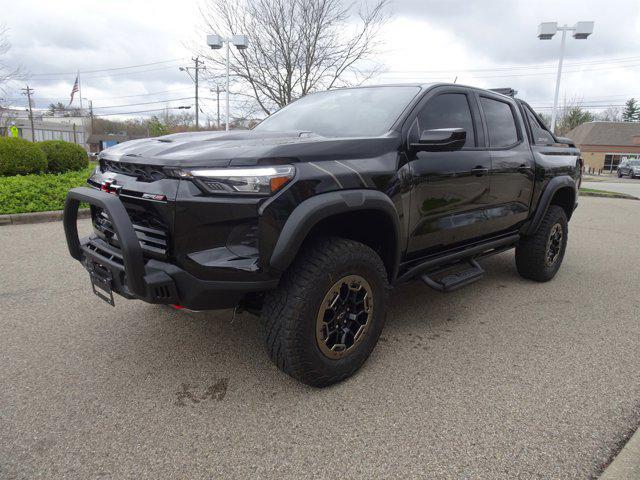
[539, 256]
[323, 321]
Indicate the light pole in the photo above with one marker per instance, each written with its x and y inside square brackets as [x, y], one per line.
[546, 31]
[215, 42]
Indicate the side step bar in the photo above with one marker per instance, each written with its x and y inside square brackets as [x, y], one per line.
[481, 250]
[454, 281]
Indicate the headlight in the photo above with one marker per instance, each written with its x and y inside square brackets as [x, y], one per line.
[254, 181]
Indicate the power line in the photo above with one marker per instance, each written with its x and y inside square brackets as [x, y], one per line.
[143, 103]
[109, 69]
[144, 111]
[99, 75]
[523, 67]
[539, 107]
[111, 98]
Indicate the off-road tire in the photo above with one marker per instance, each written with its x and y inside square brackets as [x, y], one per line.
[289, 313]
[531, 252]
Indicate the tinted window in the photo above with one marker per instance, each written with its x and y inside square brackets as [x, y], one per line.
[449, 110]
[350, 112]
[540, 134]
[500, 122]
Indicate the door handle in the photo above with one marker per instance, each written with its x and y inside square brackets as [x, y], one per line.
[523, 168]
[479, 171]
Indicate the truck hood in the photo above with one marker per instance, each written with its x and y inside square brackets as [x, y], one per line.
[244, 148]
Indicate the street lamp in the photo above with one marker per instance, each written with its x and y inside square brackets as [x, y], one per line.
[546, 31]
[215, 42]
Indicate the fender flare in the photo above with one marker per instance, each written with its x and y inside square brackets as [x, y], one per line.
[315, 209]
[552, 187]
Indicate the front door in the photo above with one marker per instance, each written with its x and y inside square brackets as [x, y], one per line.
[449, 189]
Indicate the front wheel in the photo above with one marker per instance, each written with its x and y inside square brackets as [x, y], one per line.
[324, 319]
[539, 256]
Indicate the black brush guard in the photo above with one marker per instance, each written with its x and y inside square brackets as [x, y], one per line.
[148, 279]
[132, 276]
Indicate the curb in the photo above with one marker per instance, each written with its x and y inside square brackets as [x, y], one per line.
[38, 217]
[600, 195]
[626, 465]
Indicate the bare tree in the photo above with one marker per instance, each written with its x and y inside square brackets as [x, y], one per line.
[610, 114]
[6, 74]
[297, 46]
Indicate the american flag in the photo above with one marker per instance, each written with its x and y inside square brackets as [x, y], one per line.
[75, 89]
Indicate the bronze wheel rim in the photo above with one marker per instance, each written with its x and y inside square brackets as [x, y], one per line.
[554, 245]
[344, 316]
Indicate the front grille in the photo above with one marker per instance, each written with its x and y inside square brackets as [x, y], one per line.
[151, 233]
[144, 173]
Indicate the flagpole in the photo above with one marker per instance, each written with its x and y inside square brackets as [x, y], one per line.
[80, 91]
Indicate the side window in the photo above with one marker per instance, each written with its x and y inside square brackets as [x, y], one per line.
[449, 110]
[500, 122]
[541, 135]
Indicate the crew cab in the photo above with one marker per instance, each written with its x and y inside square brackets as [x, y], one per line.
[310, 219]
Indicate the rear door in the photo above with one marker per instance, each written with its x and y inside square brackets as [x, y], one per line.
[512, 162]
[449, 190]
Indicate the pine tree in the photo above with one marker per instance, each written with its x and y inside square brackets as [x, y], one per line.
[631, 111]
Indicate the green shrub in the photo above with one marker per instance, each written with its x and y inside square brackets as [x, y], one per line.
[38, 193]
[20, 157]
[64, 156]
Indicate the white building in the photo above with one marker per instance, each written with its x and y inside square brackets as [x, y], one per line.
[69, 129]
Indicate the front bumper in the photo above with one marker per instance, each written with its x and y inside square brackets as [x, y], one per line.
[134, 276]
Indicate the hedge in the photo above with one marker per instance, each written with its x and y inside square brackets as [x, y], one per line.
[20, 157]
[38, 193]
[63, 156]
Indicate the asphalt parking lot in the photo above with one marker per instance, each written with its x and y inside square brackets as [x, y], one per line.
[503, 379]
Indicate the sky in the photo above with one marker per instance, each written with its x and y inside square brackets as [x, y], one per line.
[129, 51]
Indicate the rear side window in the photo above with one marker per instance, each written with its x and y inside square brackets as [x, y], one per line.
[500, 122]
[541, 135]
[449, 110]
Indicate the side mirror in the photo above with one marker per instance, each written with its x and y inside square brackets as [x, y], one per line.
[441, 140]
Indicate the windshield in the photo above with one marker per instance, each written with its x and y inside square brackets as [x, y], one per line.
[351, 112]
[634, 163]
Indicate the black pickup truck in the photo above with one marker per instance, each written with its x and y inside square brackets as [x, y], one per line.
[309, 219]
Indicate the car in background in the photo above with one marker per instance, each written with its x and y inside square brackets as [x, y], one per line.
[629, 167]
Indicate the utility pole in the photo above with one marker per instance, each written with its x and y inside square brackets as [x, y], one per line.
[91, 114]
[196, 60]
[28, 92]
[195, 79]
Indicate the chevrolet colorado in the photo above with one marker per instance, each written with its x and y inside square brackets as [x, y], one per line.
[309, 219]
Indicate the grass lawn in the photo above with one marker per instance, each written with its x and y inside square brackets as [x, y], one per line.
[38, 193]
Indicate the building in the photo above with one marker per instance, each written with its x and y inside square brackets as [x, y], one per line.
[98, 142]
[69, 129]
[605, 144]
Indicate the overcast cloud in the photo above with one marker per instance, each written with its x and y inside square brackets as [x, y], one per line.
[486, 43]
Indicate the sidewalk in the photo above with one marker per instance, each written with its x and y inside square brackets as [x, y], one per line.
[626, 465]
[628, 188]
